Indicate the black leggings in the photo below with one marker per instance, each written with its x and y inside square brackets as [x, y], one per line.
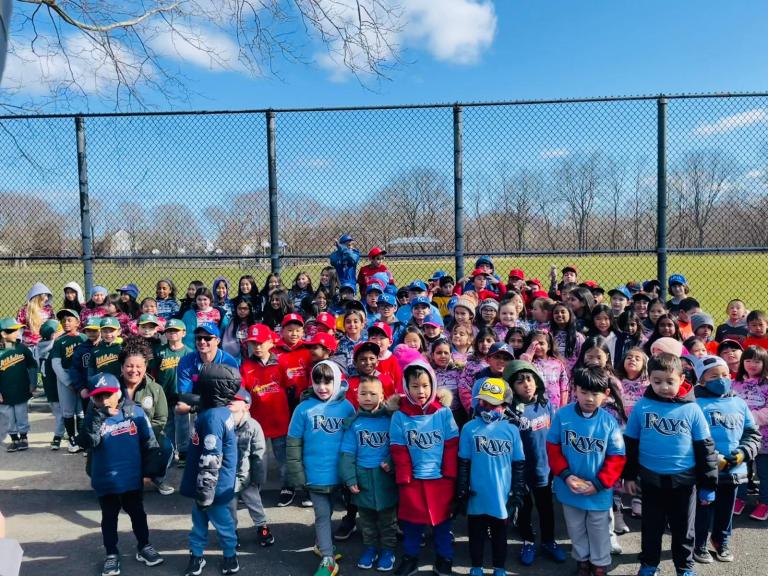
[543, 497]
[477, 530]
[133, 504]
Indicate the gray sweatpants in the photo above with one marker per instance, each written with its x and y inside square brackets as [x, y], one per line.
[251, 497]
[590, 534]
[323, 507]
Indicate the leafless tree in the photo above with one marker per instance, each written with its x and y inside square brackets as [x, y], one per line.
[120, 48]
[578, 184]
[176, 229]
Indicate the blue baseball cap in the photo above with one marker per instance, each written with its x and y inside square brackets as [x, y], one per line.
[622, 290]
[438, 274]
[350, 285]
[677, 279]
[344, 238]
[434, 320]
[420, 301]
[417, 286]
[103, 383]
[387, 299]
[391, 289]
[209, 328]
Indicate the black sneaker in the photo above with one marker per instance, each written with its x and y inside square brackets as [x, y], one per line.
[286, 497]
[346, 528]
[182, 461]
[723, 553]
[23, 443]
[195, 566]
[56, 443]
[702, 555]
[111, 565]
[230, 565]
[266, 538]
[149, 556]
[12, 447]
[408, 566]
[443, 567]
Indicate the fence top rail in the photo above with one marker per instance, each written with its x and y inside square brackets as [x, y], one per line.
[386, 107]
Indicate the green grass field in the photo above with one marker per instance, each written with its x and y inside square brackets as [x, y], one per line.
[714, 279]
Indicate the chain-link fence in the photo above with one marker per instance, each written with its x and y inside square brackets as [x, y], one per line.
[198, 195]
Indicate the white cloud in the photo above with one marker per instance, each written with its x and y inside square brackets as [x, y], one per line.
[733, 122]
[756, 173]
[454, 31]
[555, 153]
[202, 47]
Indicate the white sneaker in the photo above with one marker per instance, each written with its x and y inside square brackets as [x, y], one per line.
[163, 488]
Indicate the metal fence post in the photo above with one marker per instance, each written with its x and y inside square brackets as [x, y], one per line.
[274, 233]
[86, 232]
[458, 191]
[661, 202]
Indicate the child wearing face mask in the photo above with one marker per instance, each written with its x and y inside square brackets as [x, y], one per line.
[312, 451]
[737, 440]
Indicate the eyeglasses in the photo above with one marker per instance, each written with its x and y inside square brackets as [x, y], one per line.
[206, 338]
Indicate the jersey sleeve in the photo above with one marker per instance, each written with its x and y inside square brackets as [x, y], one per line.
[296, 427]
[348, 441]
[465, 442]
[396, 435]
[449, 424]
[553, 434]
[632, 429]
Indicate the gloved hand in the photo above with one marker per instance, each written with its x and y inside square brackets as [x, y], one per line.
[736, 457]
[722, 464]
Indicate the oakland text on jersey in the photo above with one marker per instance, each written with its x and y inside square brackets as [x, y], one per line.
[492, 446]
[583, 444]
[329, 424]
[373, 438]
[729, 421]
[424, 440]
[667, 426]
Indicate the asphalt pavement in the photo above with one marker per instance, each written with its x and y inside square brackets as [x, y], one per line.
[54, 514]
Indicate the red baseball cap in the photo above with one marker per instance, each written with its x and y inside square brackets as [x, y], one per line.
[323, 339]
[478, 272]
[539, 294]
[326, 319]
[591, 284]
[517, 273]
[260, 333]
[535, 281]
[292, 318]
[383, 326]
[376, 251]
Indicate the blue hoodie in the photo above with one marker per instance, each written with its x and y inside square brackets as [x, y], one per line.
[318, 425]
[344, 259]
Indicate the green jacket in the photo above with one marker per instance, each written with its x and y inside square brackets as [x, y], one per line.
[378, 490]
[150, 396]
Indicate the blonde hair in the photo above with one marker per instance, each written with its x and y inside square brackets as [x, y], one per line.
[35, 308]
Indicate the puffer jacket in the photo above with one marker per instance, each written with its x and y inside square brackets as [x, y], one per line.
[250, 454]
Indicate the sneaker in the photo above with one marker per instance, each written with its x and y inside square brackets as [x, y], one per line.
[56, 443]
[195, 566]
[306, 501]
[286, 497]
[408, 566]
[619, 525]
[723, 552]
[163, 488]
[752, 488]
[499, 572]
[528, 554]
[23, 444]
[702, 555]
[12, 447]
[328, 567]
[583, 568]
[646, 570]
[475, 572]
[230, 565]
[686, 573]
[554, 551]
[738, 507]
[265, 537]
[111, 565]
[149, 556]
[637, 508]
[346, 528]
[182, 461]
[599, 570]
[336, 555]
[369, 556]
[443, 567]
[386, 562]
[760, 512]
[73, 447]
[615, 545]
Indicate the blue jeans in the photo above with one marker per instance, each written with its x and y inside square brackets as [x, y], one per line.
[441, 535]
[220, 516]
[278, 451]
[16, 416]
[183, 423]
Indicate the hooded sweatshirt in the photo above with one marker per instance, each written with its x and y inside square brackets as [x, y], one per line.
[315, 435]
[754, 391]
[28, 337]
[76, 287]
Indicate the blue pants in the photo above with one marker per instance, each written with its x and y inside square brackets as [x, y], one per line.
[717, 518]
[220, 516]
[441, 534]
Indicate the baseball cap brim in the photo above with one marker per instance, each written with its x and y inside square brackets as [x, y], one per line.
[103, 390]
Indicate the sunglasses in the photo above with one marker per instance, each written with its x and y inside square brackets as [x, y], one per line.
[206, 338]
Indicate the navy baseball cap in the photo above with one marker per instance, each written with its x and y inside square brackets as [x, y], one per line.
[209, 328]
[103, 383]
[350, 285]
[500, 348]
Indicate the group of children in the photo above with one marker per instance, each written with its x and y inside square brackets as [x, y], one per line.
[421, 403]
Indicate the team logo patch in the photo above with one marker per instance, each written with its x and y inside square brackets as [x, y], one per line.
[147, 403]
[195, 439]
[209, 442]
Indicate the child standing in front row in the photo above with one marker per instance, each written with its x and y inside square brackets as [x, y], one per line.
[586, 455]
[366, 468]
[532, 413]
[18, 378]
[670, 449]
[312, 451]
[424, 444]
[491, 474]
